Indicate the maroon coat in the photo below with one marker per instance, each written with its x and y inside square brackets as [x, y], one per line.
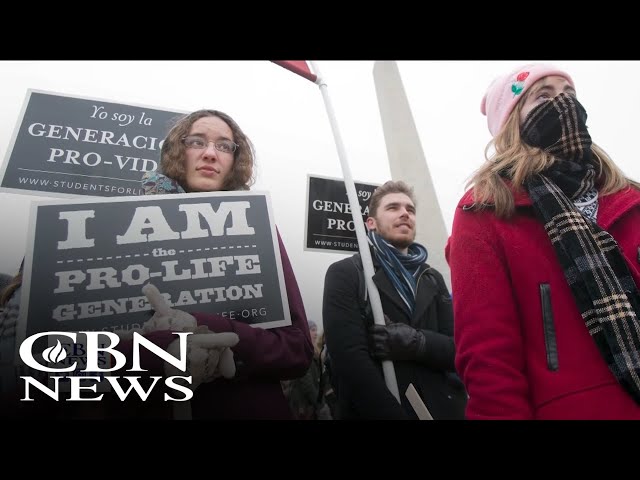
[522, 349]
[263, 358]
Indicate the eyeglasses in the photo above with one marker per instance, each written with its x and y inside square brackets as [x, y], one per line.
[199, 143]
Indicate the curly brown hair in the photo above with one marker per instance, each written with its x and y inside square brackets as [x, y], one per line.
[172, 154]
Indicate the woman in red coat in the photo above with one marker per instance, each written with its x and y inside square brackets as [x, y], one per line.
[545, 263]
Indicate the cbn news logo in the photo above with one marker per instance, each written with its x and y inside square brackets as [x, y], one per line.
[93, 360]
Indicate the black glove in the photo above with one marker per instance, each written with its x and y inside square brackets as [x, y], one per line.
[396, 341]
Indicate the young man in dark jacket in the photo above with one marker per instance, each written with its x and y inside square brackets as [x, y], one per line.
[418, 336]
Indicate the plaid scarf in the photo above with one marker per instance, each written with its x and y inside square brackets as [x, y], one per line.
[559, 127]
[401, 270]
[594, 267]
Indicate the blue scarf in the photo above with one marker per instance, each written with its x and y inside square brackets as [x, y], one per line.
[401, 270]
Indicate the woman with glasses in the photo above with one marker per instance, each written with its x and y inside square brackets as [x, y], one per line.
[206, 151]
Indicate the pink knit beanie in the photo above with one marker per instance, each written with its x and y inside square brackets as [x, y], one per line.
[505, 91]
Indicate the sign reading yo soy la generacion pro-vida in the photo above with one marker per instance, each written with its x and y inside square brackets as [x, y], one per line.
[65, 145]
[87, 261]
[329, 218]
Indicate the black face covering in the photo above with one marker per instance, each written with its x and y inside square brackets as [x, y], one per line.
[559, 128]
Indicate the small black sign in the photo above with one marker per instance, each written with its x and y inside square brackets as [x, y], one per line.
[329, 218]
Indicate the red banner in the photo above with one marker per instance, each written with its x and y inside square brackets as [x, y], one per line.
[299, 67]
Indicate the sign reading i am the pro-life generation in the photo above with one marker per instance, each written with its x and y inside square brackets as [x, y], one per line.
[329, 220]
[87, 261]
[65, 145]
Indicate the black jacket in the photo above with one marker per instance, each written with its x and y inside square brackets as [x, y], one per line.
[357, 376]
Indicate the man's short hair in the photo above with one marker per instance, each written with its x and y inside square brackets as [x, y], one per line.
[386, 189]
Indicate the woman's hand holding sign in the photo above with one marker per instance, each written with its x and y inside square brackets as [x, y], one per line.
[209, 354]
[165, 317]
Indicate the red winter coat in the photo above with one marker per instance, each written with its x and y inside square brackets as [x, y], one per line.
[522, 349]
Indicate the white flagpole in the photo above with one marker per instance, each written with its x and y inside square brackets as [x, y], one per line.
[363, 243]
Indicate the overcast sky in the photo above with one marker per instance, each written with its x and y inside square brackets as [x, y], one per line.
[286, 119]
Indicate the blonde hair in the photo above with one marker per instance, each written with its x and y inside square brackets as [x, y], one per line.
[517, 161]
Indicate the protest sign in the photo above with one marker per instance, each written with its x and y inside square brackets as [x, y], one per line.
[87, 261]
[329, 222]
[66, 146]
